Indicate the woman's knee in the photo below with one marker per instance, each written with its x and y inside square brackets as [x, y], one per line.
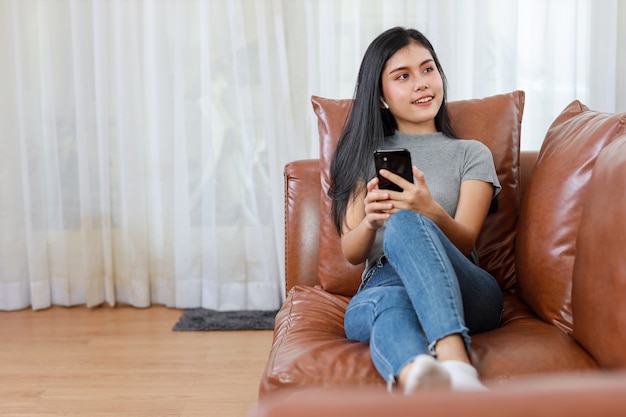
[367, 306]
[406, 228]
[374, 301]
[408, 220]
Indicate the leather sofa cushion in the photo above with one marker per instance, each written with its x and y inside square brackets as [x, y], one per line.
[552, 207]
[495, 121]
[525, 345]
[310, 347]
[335, 273]
[599, 284]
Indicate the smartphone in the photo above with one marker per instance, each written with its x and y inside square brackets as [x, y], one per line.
[397, 161]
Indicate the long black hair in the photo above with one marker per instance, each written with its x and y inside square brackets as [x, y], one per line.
[369, 123]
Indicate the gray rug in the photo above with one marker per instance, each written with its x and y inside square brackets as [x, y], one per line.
[200, 319]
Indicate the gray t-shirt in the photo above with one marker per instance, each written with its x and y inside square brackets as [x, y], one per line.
[446, 163]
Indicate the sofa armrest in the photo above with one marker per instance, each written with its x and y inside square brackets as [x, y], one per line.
[302, 222]
[566, 395]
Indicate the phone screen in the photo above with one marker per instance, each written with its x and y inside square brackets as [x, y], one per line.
[397, 161]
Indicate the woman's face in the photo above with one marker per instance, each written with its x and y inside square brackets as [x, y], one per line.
[413, 89]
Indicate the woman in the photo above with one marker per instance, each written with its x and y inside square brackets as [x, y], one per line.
[422, 293]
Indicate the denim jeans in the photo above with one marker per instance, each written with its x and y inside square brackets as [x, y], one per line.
[423, 289]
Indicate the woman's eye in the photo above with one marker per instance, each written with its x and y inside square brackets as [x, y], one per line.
[403, 76]
[429, 69]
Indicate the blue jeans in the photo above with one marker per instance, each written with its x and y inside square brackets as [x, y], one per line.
[422, 290]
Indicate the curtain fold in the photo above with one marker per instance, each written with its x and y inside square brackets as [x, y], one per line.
[143, 141]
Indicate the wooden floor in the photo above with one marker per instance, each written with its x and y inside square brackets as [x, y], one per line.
[124, 361]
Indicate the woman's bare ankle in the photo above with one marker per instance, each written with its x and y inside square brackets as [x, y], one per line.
[452, 347]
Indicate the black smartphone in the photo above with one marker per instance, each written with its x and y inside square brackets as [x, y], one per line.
[397, 161]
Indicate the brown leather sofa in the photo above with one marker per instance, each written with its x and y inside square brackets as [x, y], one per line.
[556, 245]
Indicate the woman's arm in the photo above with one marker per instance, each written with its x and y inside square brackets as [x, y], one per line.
[364, 215]
[472, 209]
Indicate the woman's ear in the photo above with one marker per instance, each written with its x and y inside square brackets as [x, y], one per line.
[384, 103]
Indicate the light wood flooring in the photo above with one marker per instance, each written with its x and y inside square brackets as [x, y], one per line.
[124, 361]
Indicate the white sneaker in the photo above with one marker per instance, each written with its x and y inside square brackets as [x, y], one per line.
[426, 373]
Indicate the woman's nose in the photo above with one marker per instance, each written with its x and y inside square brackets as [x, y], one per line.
[420, 84]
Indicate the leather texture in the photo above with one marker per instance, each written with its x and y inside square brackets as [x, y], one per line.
[569, 258]
[302, 222]
[595, 394]
[496, 122]
[599, 282]
[335, 274]
[552, 207]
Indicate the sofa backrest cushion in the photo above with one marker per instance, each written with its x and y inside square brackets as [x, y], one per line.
[496, 122]
[335, 273]
[599, 283]
[552, 207]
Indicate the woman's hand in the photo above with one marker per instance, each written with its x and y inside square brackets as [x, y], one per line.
[415, 196]
[366, 213]
[377, 205]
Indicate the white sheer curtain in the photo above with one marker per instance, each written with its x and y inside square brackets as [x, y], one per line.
[143, 142]
[142, 150]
